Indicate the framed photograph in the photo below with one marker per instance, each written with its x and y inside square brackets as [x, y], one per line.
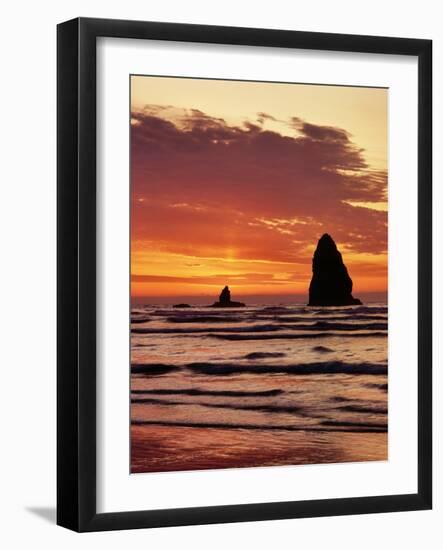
[244, 274]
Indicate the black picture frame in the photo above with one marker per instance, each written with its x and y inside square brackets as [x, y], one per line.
[76, 265]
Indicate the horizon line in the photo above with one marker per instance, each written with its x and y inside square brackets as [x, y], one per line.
[368, 296]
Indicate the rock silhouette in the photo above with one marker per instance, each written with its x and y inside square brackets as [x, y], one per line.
[331, 284]
[225, 296]
[224, 300]
[181, 305]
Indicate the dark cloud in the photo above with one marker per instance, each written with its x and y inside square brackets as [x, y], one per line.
[321, 133]
[199, 172]
[261, 117]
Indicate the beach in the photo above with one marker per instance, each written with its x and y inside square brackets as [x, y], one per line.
[262, 385]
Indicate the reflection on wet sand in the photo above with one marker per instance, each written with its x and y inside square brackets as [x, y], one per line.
[171, 448]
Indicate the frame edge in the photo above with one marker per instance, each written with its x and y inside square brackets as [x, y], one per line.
[424, 359]
[67, 275]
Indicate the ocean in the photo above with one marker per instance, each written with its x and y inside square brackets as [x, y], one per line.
[257, 386]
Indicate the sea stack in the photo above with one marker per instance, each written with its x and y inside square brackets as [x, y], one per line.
[331, 284]
[224, 300]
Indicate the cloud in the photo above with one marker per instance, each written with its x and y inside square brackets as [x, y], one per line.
[261, 117]
[322, 133]
[206, 187]
[221, 279]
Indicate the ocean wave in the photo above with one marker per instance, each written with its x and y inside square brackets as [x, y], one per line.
[366, 425]
[330, 367]
[156, 401]
[343, 326]
[282, 310]
[383, 387]
[322, 349]
[204, 319]
[370, 409]
[152, 369]
[304, 319]
[209, 330]
[280, 409]
[263, 354]
[341, 399]
[324, 427]
[217, 393]
[209, 311]
[319, 325]
[349, 310]
[292, 336]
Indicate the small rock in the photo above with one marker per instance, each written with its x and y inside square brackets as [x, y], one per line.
[225, 300]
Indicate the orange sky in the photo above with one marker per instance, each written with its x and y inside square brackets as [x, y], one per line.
[234, 182]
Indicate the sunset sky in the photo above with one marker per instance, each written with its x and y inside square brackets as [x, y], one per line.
[235, 182]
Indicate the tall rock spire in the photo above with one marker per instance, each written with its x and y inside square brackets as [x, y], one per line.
[331, 284]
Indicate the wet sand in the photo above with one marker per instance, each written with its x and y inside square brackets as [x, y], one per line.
[159, 448]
